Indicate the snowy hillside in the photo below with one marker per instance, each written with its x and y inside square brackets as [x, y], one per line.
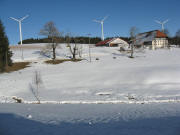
[152, 76]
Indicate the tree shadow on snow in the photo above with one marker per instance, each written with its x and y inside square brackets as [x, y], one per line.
[43, 54]
[16, 125]
[48, 54]
[120, 54]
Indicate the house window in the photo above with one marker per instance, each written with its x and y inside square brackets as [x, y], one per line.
[148, 43]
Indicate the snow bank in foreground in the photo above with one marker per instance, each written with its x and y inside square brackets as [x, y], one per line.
[133, 119]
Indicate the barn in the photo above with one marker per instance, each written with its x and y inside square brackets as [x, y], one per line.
[152, 39]
[113, 42]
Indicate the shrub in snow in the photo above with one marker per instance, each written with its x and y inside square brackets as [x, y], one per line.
[97, 58]
[131, 57]
[130, 97]
[18, 100]
[29, 116]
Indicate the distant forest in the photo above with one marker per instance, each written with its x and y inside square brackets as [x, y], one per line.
[81, 40]
[85, 40]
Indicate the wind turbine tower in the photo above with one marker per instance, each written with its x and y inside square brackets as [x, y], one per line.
[19, 21]
[162, 23]
[102, 27]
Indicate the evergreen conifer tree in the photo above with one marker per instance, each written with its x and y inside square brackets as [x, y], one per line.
[5, 53]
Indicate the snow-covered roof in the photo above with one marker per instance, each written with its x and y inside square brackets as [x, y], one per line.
[117, 41]
[103, 42]
[111, 41]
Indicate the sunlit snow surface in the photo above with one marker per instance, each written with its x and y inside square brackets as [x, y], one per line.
[114, 95]
[151, 76]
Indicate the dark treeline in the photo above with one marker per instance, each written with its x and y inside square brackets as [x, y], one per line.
[174, 41]
[82, 40]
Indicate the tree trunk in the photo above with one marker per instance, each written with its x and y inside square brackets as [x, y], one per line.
[54, 52]
[132, 50]
[54, 49]
[6, 59]
[74, 53]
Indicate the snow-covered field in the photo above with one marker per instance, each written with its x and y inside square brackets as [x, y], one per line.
[114, 95]
[152, 76]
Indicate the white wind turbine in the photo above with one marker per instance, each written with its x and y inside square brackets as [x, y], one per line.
[20, 32]
[20, 20]
[162, 23]
[102, 27]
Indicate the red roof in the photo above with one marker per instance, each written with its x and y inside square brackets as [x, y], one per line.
[160, 34]
[103, 42]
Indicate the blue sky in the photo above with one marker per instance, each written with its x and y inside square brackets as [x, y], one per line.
[76, 16]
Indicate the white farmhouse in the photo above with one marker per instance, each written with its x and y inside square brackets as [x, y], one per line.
[153, 39]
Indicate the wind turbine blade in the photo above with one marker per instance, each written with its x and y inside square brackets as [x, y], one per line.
[97, 21]
[158, 22]
[24, 17]
[166, 21]
[105, 18]
[14, 19]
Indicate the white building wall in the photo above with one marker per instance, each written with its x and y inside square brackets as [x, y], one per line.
[159, 43]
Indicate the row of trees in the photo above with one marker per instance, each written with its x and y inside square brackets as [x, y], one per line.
[63, 39]
[5, 53]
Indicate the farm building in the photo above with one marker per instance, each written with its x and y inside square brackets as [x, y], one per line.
[152, 39]
[113, 42]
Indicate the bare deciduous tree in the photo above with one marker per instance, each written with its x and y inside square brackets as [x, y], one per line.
[72, 47]
[53, 34]
[34, 87]
[133, 32]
